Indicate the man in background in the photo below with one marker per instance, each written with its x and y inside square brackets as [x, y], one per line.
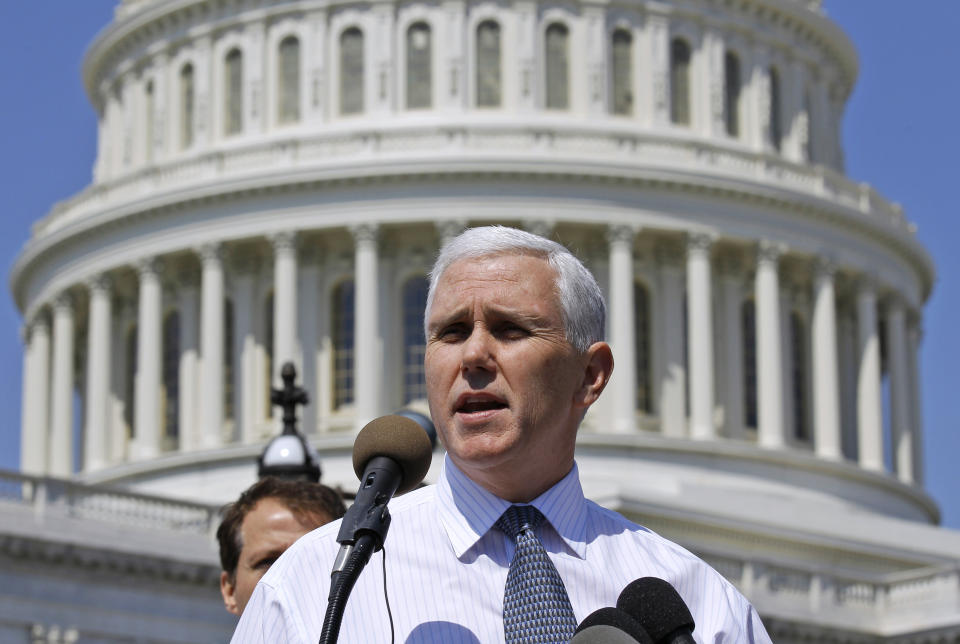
[267, 518]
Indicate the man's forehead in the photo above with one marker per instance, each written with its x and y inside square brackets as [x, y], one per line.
[480, 265]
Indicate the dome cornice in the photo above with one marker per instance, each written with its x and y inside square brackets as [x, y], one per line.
[811, 192]
[139, 25]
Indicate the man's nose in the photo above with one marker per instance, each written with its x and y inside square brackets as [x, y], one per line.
[477, 350]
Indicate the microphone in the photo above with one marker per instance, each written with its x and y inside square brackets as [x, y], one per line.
[610, 626]
[391, 455]
[659, 609]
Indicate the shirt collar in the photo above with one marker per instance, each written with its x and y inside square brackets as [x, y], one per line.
[468, 511]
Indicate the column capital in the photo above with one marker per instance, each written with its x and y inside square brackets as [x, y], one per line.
[211, 252]
[367, 232]
[867, 282]
[769, 252]
[63, 301]
[284, 241]
[824, 266]
[148, 267]
[100, 283]
[38, 321]
[622, 233]
[540, 227]
[450, 228]
[700, 241]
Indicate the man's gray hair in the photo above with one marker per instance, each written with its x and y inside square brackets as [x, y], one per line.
[584, 311]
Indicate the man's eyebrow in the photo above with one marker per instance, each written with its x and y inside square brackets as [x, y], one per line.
[434, 324]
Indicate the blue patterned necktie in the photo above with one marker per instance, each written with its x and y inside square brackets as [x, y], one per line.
[536, 608]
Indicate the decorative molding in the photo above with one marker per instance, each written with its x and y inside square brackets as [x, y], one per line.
[366, 233]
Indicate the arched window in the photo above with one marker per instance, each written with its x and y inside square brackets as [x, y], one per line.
[414, 302]
[148, 109]
[342, 325]
[731, 93]
[776, 133]
[641, 320]
[171, 375]
[288, 91]
[621, 86]
[798, 364]
[680, 82]
[233, 92]
[228, 359]
[186, 106]
[488, 64]
[748, 327]
[129, 380]
[268, 349]
[557, 67]
[351, 71]
[419, 67]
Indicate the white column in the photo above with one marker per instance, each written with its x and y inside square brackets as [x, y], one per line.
[309, 310]
[366, 340]
[284, 302]
[899, 390]
[189, 362]
[36, 387]
[869, 397]
[673, 380]
[61, 409]
[622, 328]
[146, 424]
[246, 351]
[98, 374]
[847, 357]
[700, 336]
[826, 392]
[211, 346]
[914, 335]
[732, 382]
[769, 358]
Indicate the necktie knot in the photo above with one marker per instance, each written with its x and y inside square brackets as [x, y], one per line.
[518, 519]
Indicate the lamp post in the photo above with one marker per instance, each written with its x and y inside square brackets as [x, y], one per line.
[289, 455]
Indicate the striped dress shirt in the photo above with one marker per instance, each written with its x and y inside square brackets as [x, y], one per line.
[446, 568]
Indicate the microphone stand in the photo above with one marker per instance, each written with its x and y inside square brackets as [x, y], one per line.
[362, 532]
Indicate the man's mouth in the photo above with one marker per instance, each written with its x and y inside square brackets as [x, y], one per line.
[470, 404]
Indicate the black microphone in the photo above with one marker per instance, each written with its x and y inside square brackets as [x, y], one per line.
[610, 626]
[391, 455]
[658, 607]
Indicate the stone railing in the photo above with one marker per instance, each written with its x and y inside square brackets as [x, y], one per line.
[554, 148]
[52, 499]
[878, 604]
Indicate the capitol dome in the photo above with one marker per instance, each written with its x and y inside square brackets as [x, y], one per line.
[274, 178]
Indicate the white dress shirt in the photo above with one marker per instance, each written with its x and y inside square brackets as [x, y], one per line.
[446, 568]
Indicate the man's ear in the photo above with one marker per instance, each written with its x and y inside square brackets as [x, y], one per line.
[228, 589]
[596, 373]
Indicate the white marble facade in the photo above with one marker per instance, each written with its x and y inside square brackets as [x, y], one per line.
[273, 180]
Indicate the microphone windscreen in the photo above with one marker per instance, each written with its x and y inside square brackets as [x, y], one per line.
[400, 439]
[610, 626]
[656, 605]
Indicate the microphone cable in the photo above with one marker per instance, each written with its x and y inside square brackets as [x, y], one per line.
[386, 598]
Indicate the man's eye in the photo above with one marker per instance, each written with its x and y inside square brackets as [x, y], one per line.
[511, 331]
[264, 564]
[452, 333]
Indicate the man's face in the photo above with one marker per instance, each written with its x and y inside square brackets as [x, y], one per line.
[506, 389]
[266, 532]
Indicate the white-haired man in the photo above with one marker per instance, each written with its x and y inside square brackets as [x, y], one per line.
[515, 357]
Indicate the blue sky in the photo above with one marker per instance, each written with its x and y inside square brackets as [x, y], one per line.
[901, 134]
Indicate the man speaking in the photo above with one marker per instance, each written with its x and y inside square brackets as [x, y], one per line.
[504, 548]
